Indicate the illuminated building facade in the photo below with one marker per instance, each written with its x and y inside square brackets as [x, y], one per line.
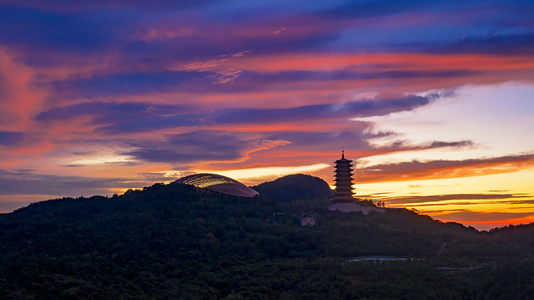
[218, 183]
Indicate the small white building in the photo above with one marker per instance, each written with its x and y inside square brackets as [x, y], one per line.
[350, 207]
[308, 221]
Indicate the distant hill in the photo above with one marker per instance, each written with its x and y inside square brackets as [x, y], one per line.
[172, 241]
[295, 187]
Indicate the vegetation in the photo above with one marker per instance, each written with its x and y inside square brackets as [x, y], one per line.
[176, 241]
[294, 188]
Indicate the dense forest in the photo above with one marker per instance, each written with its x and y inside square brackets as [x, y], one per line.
[172, 241]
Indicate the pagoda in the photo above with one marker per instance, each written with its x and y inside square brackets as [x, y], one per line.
[343, 179]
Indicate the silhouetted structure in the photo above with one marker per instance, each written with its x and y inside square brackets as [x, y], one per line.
[218, 183]
[343, 179]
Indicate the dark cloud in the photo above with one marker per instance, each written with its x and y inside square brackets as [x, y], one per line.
[439, 198]
[444, 168]
[68, 34]
[418, 74]
[10, 138]
[28, 183]
[103, 110]
[76, 6]
[323, 76]
[495, 13]
[439, 144]
[369, 9]
[214, 145]
[516, 204]
[202, 81]
[364, 108]
[126, 117]
[206, 145]
[316, 41]
[44, 30]
[85, 153]
[116, 118]
[117, 164]
[501, 44]
[406, 145]
[462, 216]
[116, 27]
[351, 139]
[129, 83]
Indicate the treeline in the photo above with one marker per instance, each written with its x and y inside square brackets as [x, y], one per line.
[178, 242]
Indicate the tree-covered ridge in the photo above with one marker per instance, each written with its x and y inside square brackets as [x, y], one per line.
[176, 241]
[295, 187]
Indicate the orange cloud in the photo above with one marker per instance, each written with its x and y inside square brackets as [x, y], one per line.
[20, 100]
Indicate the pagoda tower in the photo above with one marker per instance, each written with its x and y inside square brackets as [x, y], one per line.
[343, 179]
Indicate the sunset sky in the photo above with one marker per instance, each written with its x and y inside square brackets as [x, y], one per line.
[434, 100]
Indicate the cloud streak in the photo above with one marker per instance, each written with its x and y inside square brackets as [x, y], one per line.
[28, 183]
[325, 111]
[132, 117]
[439, 198]
[416, 170]
[205, 145]
[9, 138]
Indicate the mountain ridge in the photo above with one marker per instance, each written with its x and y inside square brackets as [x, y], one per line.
[177, 241]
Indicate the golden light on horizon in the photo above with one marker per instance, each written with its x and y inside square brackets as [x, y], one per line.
[257, 174]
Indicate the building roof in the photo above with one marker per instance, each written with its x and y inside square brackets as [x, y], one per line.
[343, 160]
[218, 183]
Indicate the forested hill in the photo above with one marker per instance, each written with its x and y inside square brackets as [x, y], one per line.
[295, 187]
[178, 242]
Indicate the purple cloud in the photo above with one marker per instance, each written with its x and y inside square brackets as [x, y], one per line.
[444, 168]
[205, 145]
[126, 117]
[139, 117]
[27, 183]
[70, 6]
[10, 138]
[365, 108]
[439, 198]
[512, 44]
[406, 145]
[32, 28]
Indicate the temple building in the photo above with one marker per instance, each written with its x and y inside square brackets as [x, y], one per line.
[343, 179]
[343, 196]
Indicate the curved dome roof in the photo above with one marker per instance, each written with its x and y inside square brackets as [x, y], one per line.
[218, 183]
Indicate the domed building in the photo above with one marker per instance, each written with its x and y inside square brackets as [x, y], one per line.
[218, 183]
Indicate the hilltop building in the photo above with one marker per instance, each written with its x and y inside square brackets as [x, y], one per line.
[343, 179]
[218, 183]
[344, 196]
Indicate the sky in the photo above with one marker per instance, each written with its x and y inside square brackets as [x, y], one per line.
[433, 100]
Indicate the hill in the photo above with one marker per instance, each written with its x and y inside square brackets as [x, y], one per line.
[175, 241]
[295, 187]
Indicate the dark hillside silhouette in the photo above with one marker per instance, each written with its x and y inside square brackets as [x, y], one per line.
[295, 187]
[177, 241]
